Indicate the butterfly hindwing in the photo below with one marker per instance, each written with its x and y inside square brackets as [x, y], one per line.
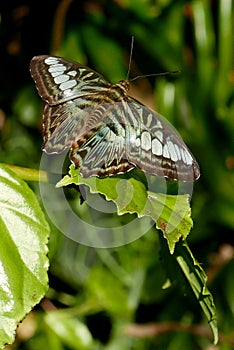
[157, 147]
[102, 154]
[65, 122]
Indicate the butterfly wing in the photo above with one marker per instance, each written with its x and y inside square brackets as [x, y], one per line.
[107, 131]
[104, 153]
[131, 135]
[59, 80]
[71, 92]
[155, 146]
[64, 123]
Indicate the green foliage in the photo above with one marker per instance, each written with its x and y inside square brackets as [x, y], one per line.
[24, 236]
[102, 295]
[171, 213]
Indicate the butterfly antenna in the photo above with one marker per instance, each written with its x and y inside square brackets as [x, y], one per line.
[155, 74]
[130, 58]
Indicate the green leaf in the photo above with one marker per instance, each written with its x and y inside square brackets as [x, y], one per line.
[71, 331]
[171, 213]
[197, 280]
[23, 249]
[183, 267]
[24, 107]
[107, 292]
[172, 216]
[103, 52]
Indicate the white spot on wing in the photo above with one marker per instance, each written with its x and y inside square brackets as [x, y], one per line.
[182, 155]
[55, 74]
[137, 142]
[67, 92]
[61, 78]
[146, 140]
[172, 151]
[159, 135]
[156, 147]
[51, 60]
[88, 75]
[72, 73]
[149, 120]
[159, 124]
[56, 67]
[165, 152]
[188, 158]
[177, 151]
[67, 84]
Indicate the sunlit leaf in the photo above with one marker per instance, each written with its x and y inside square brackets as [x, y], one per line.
[23, 253]
[71, 331]
[170, 213]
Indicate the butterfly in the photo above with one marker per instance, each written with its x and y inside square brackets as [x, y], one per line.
[107, 131]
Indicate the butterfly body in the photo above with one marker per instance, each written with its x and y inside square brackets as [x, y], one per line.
[107, 131]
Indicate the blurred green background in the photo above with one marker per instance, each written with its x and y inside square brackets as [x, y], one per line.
[102, 292]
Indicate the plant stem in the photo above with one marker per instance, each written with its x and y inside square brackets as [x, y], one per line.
[28, 174]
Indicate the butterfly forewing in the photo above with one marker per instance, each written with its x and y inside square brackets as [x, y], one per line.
[107, 131]
[59, 80]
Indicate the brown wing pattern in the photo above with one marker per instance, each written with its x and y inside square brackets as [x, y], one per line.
[107, 131]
